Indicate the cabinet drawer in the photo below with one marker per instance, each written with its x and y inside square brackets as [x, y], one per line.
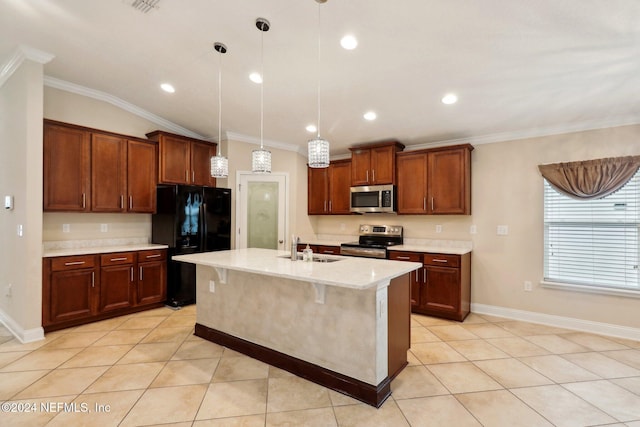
[405, 256]
[442, 260]
[72, 262]
[331, 250]
[152, 255]
[117, 258]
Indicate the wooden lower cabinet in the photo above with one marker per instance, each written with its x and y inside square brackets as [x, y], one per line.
[442, 287]
[85, 288]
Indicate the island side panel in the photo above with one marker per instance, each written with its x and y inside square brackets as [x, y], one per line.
[399, 318]
[340, 335]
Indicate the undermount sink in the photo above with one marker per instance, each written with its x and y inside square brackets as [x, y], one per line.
[316, 258]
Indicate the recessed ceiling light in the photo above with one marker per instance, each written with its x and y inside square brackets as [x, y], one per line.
[349, 42]
[255, 77]
[370, 115]
[311, 128]
[450, 98]
[167, 87]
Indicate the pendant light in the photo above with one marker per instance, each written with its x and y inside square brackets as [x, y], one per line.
[261, 158]
[318, 147]
[219, 163]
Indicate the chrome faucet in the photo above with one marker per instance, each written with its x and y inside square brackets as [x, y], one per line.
[294, 247]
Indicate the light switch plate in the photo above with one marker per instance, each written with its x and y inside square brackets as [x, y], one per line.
[473, 229]
[66, 228]
[104, 228]
[438, 228]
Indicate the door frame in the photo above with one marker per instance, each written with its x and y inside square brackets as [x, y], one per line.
[240, 217]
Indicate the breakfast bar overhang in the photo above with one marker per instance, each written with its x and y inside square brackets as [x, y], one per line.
[341, 322]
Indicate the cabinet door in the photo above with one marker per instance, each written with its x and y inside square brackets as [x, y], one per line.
[201, 164]
[141, 177]
[71, 294]
[317, 191]
[152, 285]
[448, 182]
[116, 287]
[174, 160]
[412, 184]
[339, 187]
[66, 169]
[108, 173]
[441, 290]
[414, 281]
[360, 165]
[383, 167]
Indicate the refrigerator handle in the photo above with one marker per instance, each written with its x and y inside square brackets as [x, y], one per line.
[203, 223]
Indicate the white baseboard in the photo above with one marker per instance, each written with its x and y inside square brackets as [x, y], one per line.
[559, 321]
[23, 335]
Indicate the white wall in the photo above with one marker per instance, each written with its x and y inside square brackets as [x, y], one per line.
[508, 189]
[21, 176]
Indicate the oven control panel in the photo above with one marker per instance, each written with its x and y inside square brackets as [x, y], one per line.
[380, 230]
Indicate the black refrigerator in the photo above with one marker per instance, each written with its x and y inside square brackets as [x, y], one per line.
[190, 219]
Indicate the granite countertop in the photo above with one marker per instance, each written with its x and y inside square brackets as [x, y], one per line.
[103, 246]
[348, 272]
[454, 247]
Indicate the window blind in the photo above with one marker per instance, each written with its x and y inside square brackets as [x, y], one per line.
[593, 242]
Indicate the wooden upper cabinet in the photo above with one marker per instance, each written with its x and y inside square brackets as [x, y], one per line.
[141, 176]
[66, 168]
[339, 187]
[328, 189]
[435, 181]
[201, 153]
[317, 191]
[412, 183]
[374, 164]
[449, 181]
[183, 160]
[108, 173]
[87, 170]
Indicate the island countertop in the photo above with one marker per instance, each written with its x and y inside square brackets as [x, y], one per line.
[347, 272]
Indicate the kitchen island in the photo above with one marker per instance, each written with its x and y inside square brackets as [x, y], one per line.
[343, 323]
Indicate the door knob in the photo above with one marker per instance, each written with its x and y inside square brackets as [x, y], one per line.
[281, 241]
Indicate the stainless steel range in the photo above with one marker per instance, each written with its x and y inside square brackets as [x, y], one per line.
[373, 241]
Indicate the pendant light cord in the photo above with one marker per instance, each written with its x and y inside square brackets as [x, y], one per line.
[219, 102]
[318, 68]
[261, 87]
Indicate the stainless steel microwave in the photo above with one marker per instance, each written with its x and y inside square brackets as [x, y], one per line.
[373, 199]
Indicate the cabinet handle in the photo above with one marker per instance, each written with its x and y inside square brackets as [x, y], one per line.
[424, 203]
[74, 263]
[141, 274]
[324, 209]
[131, 274]
[373, 172]
[186, 176]
[367, 175]
[130, 203]
[330, 208]
[432, 204]
[84, 200]
[119, 259]
[439, 260]
[122, 201]
[157, 255]
[403, 257]
[327, 252]
[417, 272]
[193, 176]
[93, 279]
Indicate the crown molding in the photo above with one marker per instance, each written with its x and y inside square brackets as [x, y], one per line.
[17, 57]
[268, 143]
[120, 103]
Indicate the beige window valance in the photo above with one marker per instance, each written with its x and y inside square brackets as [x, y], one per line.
[591, 179]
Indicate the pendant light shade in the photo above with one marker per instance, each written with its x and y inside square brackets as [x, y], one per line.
[261, 158]
[219, 163]
[318, 148]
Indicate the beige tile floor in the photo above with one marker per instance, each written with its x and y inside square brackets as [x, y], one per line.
[149, 369]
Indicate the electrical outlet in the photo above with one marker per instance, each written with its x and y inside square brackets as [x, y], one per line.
[503, 230]
[66, 228]
[104, 228]
[20, 230]
[438, 228]
[212, 286]
[473, 229]
[527, 286]
[343, 226]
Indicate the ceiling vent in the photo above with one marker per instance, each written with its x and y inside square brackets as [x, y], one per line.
[145, 6]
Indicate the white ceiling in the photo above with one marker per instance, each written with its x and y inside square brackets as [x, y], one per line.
[520, 68]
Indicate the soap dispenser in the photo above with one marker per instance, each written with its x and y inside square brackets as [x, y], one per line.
[307, 254]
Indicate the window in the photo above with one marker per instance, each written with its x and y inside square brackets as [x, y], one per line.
[593, 243]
